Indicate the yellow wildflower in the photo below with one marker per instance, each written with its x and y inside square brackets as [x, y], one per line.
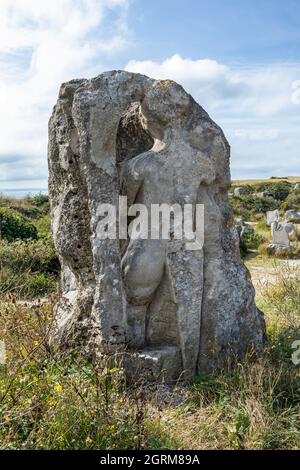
[58, 388]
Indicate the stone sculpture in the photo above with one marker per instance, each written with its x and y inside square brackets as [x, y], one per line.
[272, 216]
[171, 309]
[292, 216]
[280, 235]
[239, 191]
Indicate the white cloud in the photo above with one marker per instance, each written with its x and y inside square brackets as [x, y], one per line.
[264, 90]
[43, 44]
[254, 106]
[257, 134]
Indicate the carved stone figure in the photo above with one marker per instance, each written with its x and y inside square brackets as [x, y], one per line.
[280, 235]
[174, 310]
[272, 216]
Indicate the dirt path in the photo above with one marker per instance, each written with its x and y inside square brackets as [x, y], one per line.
[264, 275]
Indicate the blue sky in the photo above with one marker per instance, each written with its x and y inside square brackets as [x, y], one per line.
[239, 59]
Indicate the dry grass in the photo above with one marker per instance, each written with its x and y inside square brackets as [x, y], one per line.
[256, 405]
[288, 179]
[51, 402]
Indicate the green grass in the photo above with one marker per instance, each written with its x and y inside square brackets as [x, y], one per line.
[29, 268]
[63, 401]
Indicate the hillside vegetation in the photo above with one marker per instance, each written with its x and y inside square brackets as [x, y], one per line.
[62, 401]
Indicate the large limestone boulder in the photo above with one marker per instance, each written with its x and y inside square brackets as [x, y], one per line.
[239, 191]
[292, 216]
[182, 310]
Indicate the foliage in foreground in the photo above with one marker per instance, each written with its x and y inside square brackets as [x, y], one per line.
[52, 402]
[28, 268]
[14, 226]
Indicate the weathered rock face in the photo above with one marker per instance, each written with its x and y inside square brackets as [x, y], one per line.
[272, 216]
[179, 310]
[280, 235]
[292, 216]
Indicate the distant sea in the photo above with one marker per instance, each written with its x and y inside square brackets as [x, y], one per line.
[21, 193]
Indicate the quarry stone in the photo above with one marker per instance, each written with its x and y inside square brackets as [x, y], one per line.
[171, 310]
[280, 235]
[272, 216]
[292, 216]
[239, 191]
[290, 229]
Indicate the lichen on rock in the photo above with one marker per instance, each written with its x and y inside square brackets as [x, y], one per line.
[177, 310]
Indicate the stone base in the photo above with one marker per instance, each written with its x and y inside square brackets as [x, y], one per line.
[275, 249]
[154, 364]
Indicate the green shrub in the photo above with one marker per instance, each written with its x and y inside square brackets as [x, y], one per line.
[30, 212]
[277, 188]
[13, 226]
[292, 201]
[39, 284]
[34, 255]
[26, 285]
[43, 225]
[247, 206]
[40, 200]
[251, 241]
[28, 268]
[247, 188]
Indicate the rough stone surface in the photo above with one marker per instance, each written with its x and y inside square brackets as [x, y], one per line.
[291, 230]
[272, 216]
[239, 191]
[280, 235]
[279, 251]
[292, 216]
[183, 311]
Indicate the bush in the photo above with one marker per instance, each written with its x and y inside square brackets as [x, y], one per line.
[43, 225]
[29, 212]
[251, 241]
[277, 188]
[39, 284]
[35, 256]
[13, 226]
[247, 188]
[26, 285]
[40, 200]
[292, 202]
[28, 268]
[248, 206]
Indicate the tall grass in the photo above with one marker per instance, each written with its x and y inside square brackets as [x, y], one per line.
[49, 401]
[257, 404]
[28, 269]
